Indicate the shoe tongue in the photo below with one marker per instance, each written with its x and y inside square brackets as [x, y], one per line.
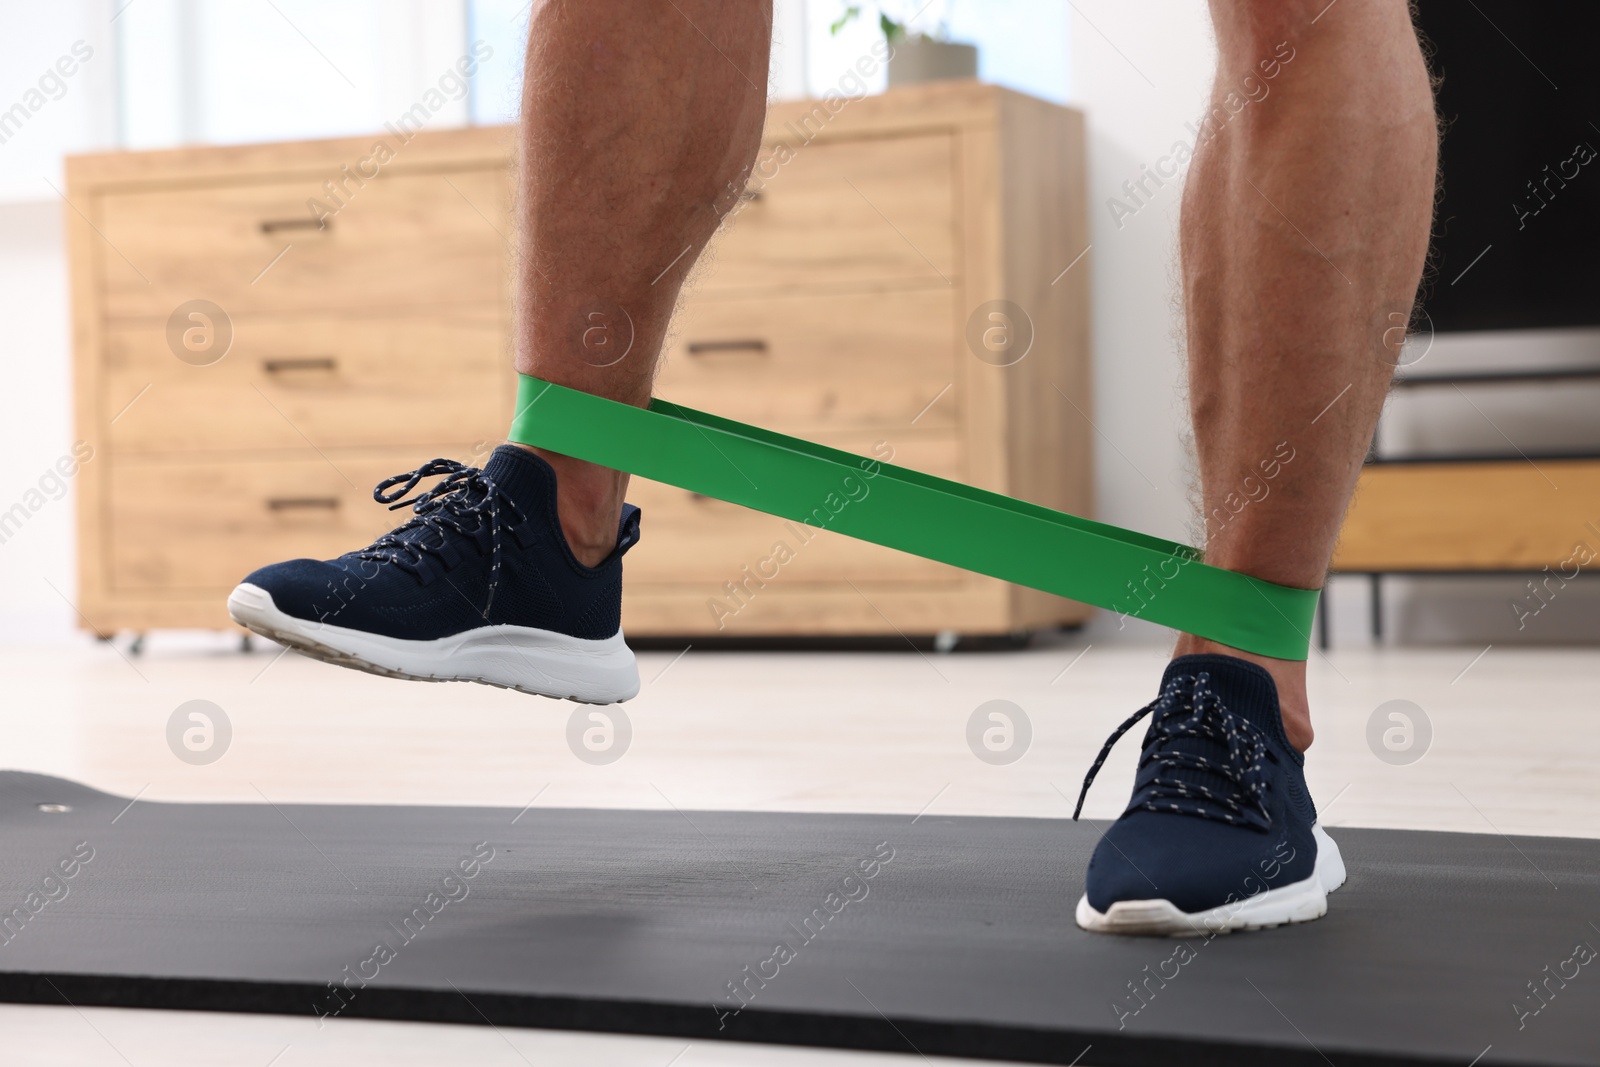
[530, 483]
[522, 475]
[519, 474]
[1239, 685]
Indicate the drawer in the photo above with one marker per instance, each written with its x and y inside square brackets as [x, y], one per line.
[400, 241]
[1502, 515]
[186, 527]
[336, 382]
[841, 213]
[690, 539]
[805, 363]
[202, 526]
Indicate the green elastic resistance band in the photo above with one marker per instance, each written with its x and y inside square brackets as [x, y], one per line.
[1130, 573]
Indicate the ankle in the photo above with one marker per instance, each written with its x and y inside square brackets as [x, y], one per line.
[588, 504]
[1288, 675]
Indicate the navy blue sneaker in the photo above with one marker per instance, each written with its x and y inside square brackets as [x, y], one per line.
[478, 586]
[1221, 833]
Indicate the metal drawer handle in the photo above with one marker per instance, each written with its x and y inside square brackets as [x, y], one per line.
[274, 225]
[292, 503]
[278, 366]
[700, 348]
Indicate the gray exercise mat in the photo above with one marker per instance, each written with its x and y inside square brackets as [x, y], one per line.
[937, 935]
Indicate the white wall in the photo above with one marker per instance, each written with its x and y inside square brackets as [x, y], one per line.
[35, 345]
[58, 62]
[1140, 70]
[36, 429]
[199, 73]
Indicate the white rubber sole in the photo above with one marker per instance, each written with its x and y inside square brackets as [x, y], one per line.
[510, 657]
[1296, 903]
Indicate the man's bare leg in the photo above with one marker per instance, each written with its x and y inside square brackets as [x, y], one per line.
[640, 121]
[1304, 230]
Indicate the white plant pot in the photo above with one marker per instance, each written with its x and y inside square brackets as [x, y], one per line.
[922, 59]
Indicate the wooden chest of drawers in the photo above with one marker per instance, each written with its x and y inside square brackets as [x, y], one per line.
[850, 299]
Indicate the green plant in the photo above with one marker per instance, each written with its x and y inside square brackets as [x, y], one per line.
[893, 29]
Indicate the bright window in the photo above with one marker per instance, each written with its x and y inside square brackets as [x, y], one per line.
[191, 72]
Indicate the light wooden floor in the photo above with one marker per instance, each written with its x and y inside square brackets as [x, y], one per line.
[1513, 738]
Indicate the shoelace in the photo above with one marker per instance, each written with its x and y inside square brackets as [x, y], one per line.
[462, 494]
[1207, 717]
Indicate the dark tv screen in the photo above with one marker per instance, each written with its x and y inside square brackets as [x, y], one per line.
[1517, 235]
